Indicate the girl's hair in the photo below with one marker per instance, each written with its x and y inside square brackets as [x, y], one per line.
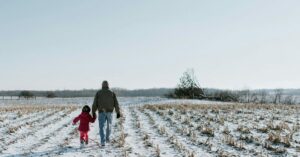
[86, 108]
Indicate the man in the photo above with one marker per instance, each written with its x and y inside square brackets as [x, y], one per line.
[105, 102]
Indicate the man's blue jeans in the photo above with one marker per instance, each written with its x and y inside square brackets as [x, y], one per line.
[105, 117]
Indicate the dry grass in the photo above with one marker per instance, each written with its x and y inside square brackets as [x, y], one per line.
[146, 138]
[247, 138]
[276, 138]
[21, 110]
[162, 130]
[207, 131]
[226, 130]
[225, 107]
[275, 150]
[229, 140]
[31, 111]
[12, 130]
[157, 151]
[243, 129]
[121, 139]
[261, 129]
[223, 153]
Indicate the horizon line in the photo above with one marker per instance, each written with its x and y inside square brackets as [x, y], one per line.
[120, 88]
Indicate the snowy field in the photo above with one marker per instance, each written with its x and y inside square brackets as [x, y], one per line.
[151, 127]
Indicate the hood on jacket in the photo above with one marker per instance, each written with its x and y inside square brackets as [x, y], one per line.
[105, 85]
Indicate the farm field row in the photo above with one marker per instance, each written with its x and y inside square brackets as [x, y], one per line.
[169, 128]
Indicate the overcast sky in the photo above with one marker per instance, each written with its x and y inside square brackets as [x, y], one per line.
[75, 44]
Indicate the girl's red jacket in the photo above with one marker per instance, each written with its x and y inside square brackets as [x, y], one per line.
[84, 118]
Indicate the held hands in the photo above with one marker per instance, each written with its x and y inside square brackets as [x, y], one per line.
[94, 115]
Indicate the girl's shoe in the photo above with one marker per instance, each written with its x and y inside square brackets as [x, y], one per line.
[81, 144]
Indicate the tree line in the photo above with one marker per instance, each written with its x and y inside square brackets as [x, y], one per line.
[187, 88]
[154, 92]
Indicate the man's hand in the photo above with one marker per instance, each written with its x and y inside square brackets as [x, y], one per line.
[94, 115]
[118, 115]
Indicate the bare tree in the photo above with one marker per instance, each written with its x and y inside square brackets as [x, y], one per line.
[263, 96]
[289, 100]
[278, 96]
[244, 95]
[253, 97]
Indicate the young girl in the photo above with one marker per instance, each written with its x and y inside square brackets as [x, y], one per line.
[85, 118]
